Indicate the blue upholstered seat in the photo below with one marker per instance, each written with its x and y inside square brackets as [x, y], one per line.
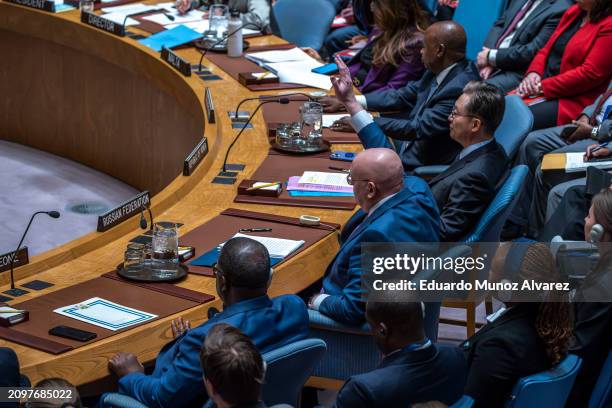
[304, 23]
[477, 17]
[602, 393]
[465, 402]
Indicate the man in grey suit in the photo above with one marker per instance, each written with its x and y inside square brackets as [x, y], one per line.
[516, 37]
[591, 127]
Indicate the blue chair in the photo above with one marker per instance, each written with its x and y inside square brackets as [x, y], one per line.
[465, 402]
[602, 393]
[546, 389]
[304, 23]
[477, 17]
[514, 127]
[288, 368]
[345, 342]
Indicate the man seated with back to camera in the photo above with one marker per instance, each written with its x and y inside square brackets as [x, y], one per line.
[394, 208]
[467, 187]
[424, 105]
[233, 368]
[243, 275]
[413, 368]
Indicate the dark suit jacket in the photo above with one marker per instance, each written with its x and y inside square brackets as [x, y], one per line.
[436, 373]
[9, 374]
[592, 334]
[530, 37]
[409, 216]
[466, 188]
[501, 353]
[426, 123]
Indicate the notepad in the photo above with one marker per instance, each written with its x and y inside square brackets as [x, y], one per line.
[293, 54]
[295, 185]
[277, 247]
[574, 162]
[171, 38]
[324, 178]
[103, 313]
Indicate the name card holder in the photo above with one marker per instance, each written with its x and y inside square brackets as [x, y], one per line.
[123, 211]
[210, 106]
[195, 157]
[44, 5]
[103, 24]
[22, 258]
[176, 62]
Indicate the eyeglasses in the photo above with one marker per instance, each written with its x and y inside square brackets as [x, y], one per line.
[350, 180]
[454, 114]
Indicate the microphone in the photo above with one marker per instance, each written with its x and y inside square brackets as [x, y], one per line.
[266, 97]
[145, 12]
[282, 101]
[225, 37]
[143, 221]
[52, 214]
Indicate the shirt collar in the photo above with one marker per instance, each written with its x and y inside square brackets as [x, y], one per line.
[444, 73]
[473, 147]
[378, 204]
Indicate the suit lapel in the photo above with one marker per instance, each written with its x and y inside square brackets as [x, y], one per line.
[539, 10]
[459, 164]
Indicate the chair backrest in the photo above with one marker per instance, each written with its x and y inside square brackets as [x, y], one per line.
[516, 124]
[602, 393]
[465, 402]
[489, 227]
[288, 368]
[546, 389]
[477, 18]
[304, 23]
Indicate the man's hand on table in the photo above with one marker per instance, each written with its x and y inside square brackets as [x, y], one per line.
[343, 125]
[123, 364]
[179, 327]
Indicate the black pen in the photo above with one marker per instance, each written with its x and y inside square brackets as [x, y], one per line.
[339, 169]
[255, 230]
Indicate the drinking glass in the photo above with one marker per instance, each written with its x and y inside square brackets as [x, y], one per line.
[86, 5]
[283, 134]
[312, 118]
[218, 19]
[134, 256]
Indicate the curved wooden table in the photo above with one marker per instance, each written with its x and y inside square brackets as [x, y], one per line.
[114, 105]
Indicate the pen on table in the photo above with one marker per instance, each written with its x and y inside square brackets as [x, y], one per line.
[598, 148]
[169, 16]
[265, 75]
[11, 311]
[255, 230]
[339, 169]
[264, 185]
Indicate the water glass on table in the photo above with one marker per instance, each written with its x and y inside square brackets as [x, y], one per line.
[312, 119]
[218, 19]
[86, 6]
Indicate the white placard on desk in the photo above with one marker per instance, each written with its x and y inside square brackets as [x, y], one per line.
[103, 313]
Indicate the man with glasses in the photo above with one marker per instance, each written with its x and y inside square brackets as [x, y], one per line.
[466, 188]
[394, 208]
[243, 275]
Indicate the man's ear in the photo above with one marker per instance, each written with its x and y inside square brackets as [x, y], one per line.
[441, 50]
[383, 330]
[371, 189]
[270, 278]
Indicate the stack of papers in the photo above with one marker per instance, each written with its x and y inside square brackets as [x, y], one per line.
[119, 14]
[319, 184]
[103, 313]
[174, 18]
[277, 247]
[574, 162]
[292, 66]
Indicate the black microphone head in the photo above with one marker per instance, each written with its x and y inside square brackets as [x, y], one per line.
[143, 221]
[53, 214]
[283, 101]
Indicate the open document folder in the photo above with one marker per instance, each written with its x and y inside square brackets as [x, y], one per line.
[292, 66]
[103, 313]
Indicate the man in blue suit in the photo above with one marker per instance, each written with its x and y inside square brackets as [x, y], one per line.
[243, 275]
[413, 369]
[421, 128]
[393, 209]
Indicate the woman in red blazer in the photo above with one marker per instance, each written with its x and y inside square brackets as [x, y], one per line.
[585, 65]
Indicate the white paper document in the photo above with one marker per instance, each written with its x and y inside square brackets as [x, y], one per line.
[300, 72]
[106, 314]
[328, 179]
[574, 162]
[277, 247]
[132, 8]
[329, 119]
[162, 19]
[293, 54]
[119, 18]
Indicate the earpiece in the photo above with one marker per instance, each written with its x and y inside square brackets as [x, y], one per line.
[596, 234]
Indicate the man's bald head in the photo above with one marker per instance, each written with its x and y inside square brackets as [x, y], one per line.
[376, 173]
[444, 44]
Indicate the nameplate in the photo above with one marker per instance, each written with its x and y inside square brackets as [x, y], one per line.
[195, 157]
[123, 211]
[176, 62]
[210, 106]
[37, 4]
[102, 24]
[21, 259]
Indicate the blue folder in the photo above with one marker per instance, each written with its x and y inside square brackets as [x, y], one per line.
[171, 38]
[210, 257]
[298, 193]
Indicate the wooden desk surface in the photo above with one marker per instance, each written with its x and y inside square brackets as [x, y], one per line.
[190, 200]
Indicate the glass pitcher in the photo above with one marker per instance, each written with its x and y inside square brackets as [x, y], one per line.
[164, 251]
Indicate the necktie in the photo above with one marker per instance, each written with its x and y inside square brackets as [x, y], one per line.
[600, 104]
[519, 16]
